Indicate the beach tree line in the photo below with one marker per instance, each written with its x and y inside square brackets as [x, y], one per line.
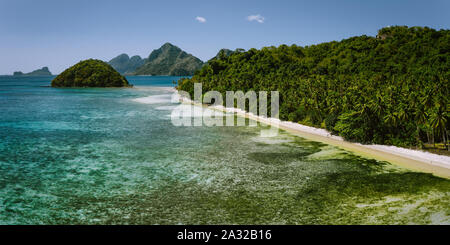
[389, 89]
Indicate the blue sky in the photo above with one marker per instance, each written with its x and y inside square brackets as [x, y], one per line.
[60, 33]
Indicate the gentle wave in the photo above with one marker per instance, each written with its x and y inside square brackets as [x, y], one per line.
[159, 99]
[186, 111]
[154, 99]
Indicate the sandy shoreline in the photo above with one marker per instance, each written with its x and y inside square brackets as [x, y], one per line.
[415, 160]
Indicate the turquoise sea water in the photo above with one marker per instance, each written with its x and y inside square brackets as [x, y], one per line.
[112, 156]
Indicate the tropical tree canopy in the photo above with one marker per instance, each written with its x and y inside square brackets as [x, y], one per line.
[388, 89]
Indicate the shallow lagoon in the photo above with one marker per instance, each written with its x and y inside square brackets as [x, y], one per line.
[108, 156]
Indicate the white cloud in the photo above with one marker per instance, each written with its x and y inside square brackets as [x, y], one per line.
[200, 19]
[257, 17]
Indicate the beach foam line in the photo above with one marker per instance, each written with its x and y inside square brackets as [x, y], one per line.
[435, 159]
[154, 99]
[166, 108]
[186, 111]
[415, 160]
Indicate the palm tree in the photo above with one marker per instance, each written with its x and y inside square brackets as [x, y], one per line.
[439, 122]
[391, 118]
[378, 105]
[420, 116]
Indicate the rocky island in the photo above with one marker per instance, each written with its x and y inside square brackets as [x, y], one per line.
[126, 65]
[44, 71]
[90, 73]
[168, 60]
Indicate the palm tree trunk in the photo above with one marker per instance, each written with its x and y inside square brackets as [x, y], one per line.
[443, 139]
[446, 141]
[418, 137]
[432, 138]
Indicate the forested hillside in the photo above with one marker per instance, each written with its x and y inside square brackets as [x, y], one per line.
[90, 73]
[388, 89]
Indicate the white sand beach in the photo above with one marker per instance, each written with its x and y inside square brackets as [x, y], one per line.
[412, 159]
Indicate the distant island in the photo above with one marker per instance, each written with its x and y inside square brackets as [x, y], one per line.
[126, 65]
[44, 71]
[90, 73]
[167, 60]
